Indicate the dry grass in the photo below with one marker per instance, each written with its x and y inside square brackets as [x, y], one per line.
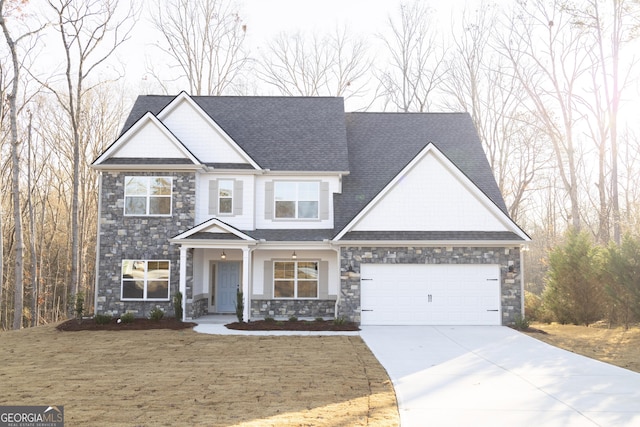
[169, 378]
[616, 346]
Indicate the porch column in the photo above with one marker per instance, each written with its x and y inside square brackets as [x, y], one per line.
[245, 282]
[183, 280]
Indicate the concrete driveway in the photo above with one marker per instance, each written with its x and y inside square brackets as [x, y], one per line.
[495, 376]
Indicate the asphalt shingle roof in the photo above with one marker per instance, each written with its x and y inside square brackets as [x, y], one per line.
[279, 133]
[315, 134]
[382, 144]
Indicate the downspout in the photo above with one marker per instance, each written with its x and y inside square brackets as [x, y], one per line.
[97, 266]
[522, 250]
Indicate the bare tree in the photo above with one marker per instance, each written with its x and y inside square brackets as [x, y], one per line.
[548, 57]
[478, 82]
[611, 25]
[330, 65]
[15, 164]
[205, 39]
[90, 32]
[417, 66]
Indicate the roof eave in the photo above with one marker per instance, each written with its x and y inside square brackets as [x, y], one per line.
[143, 167]
[399, 243]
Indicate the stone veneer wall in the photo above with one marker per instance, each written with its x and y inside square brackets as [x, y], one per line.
[262, 308]
[199, 306]
[510, 286]
[140, 237]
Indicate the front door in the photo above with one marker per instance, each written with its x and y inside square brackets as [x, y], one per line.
[227, 283]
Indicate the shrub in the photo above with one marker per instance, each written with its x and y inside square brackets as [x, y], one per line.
[269, 319]
[532, 305]
[319, 319]
[102, 319]
[127, 318]
[240, 305]
[177, 305]
[156, 314]
[293, 319]
[78, 308]
[623, 277]
[574, 292]
[339, 320]
[521, 323]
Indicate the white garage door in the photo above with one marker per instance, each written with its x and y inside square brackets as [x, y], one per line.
[418, 294]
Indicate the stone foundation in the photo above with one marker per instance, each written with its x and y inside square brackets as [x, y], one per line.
[298, 308]
[199, 307]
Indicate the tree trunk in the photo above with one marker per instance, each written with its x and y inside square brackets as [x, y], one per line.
[15, 175]
[32, 241]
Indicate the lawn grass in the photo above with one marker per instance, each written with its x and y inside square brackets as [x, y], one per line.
[169, 378]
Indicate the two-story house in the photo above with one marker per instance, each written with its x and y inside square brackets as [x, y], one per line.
[380, 218]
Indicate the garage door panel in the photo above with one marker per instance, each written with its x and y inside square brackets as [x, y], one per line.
[421, 294]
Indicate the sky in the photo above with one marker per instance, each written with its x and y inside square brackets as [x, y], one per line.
[265, 19]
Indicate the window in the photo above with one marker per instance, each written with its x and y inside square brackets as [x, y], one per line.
[295, 279]
[145, 280]
[297, 200]
[147, 195]
[225, 196]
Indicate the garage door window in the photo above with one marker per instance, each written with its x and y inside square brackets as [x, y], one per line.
[295, 279]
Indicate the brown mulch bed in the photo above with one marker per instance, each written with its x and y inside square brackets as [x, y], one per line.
[138, 324]
[297, 325]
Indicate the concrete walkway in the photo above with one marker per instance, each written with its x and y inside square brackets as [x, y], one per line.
[214, 324]
[495, 376]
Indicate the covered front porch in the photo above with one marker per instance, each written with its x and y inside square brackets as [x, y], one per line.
[277, 279]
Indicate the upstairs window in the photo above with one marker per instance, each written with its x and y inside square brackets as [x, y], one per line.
[147, 195]
[296, 200]
[225, 196]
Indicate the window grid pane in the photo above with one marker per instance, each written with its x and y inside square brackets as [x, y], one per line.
[160, 186]
[225, 206]
[307, 289]
[284, 289]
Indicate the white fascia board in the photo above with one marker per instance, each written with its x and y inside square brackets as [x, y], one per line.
[306, 173]
[147, 167]
[431, 148]
[183, 96]
[431, 243]
[295, 245]
[133, 130]
[207, 244]
[213, 222]
[236, 172]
